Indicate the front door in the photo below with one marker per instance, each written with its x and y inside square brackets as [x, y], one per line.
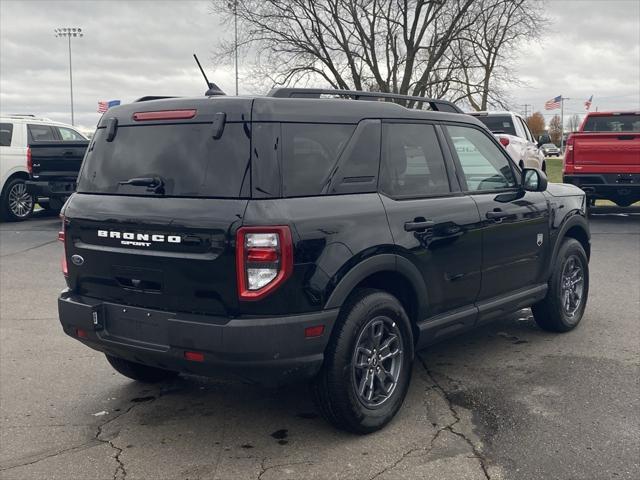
[515, 222]
[433, 224]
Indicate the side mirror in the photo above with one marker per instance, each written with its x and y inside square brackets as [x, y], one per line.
[534, 180]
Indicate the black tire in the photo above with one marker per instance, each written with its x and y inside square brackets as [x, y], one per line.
[52, 205]
[16, 205]
[335, 387]
[544, 167]
[139, 372]
[553, 313]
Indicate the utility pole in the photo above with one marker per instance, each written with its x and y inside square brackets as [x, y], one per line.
[75, 32]
[234, 5]
[526, 109]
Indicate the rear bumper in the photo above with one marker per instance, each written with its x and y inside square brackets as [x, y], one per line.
[269, 351]
[607, 186]
[53, 188]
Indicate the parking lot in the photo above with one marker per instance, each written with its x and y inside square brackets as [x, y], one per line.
[506, 401]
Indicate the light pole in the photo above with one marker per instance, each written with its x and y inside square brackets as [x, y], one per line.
[234, 6]
[68, 32]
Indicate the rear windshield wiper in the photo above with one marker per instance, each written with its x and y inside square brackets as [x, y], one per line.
[153, 184]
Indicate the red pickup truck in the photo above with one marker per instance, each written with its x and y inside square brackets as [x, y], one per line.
[603, 157]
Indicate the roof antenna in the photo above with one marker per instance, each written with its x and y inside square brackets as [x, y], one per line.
[212, 88]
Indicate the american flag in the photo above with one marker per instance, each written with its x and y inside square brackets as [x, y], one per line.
[103, 105]
[587, 104]
[553, 103]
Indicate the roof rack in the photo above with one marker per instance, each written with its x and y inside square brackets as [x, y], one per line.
[29, 116]
[286, 92]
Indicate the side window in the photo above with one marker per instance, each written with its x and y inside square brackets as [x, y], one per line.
[69, 135]
[6, 133]
[412, 162]
[309, 154]
[41, 133]
[526, 130]
[484, 165]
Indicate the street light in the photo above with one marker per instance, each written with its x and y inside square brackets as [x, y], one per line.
[68, 33]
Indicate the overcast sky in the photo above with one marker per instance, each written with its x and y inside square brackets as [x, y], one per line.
[137, 48]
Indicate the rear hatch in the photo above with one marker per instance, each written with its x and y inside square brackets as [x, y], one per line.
[158, 201]
[608, 141]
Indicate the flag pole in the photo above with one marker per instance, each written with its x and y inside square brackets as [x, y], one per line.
[561, 122]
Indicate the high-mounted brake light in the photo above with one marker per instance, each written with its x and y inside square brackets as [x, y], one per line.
[62, 237]
[164, 115]
[504, 141]
[29, 161]
[264, 260]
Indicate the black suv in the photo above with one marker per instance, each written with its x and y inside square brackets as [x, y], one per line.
[294, 236]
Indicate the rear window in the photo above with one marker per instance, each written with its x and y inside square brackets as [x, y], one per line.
[41, 133]
[188, 160]
[629, 122]
[6, 133]
[498, 123]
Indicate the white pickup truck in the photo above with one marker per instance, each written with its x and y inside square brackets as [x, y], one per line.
[512, 132]
[28, 143]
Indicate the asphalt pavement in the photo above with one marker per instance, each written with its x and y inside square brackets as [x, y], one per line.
[507, 401]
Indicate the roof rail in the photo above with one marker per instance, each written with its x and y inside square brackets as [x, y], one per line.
[286, 92]
[151, 97]
[29, 116]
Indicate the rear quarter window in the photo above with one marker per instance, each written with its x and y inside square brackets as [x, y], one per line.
[186, 157]
[309, 154]
[41, 133]
[6, 134]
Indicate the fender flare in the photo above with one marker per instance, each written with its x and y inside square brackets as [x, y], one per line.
[573, 221]
[375, 264]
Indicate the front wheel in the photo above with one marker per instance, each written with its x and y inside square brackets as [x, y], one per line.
[368, 362]
[140, 372]
[563, 307]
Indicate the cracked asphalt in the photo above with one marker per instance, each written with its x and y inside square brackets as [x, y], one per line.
[507, 401]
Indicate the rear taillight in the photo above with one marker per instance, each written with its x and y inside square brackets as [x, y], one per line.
[62, 237]
[264, 260]
[568, 153]
[504, 141]
[29, 161]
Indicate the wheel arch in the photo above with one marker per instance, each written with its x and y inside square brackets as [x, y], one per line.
[388, 272]
[18, 174]
[575, 227]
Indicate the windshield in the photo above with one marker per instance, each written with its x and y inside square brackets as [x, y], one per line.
[498, 123]
[628, 122]
[186, 157]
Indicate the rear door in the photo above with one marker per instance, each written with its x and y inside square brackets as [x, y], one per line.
[165, 245]
[432, 223]
[514, 222]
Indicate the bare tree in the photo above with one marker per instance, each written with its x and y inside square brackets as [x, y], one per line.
[399, 46]
[555, 129]
[487, 52]
[573, 123]
[536, 124]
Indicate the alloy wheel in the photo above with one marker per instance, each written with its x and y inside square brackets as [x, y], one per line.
[20, 202]
[572, 286]
[377, 361]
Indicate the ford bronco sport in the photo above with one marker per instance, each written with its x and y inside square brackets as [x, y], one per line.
[294, 237]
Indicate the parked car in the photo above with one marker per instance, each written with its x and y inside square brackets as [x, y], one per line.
[550, 150]
[603, 157]
[289, 237]
[513, 133]
[28, 142]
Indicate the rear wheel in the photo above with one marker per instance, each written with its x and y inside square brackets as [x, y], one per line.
[563, 307]
[139, 372]
[623, 202]
[17, 203]
[368, 364]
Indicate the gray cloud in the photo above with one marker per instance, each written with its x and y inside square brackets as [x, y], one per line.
[138, 48]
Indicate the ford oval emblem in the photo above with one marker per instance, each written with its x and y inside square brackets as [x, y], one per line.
[77, 260]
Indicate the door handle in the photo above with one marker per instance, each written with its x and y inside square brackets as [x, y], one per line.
[418, 225]
[497, 215]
